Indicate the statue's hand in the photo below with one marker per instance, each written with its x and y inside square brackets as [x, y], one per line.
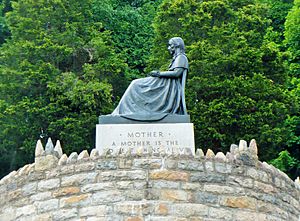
[155, 74]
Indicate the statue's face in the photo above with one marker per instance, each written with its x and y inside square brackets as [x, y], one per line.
[171, 47]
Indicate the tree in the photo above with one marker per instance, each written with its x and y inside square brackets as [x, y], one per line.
[236, 88]
[292, 39]
[130, 25]
[286, 163]
[292, 43]
[277, 12]
[54, 78]
[4, 32]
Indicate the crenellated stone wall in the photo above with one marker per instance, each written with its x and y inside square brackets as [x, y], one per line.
[148, 184]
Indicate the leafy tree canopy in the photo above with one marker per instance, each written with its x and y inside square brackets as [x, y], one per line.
[236, 88]
[130, 24]
[292, 38]
[55, 77]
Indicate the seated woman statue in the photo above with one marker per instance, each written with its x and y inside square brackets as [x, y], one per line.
[152, 98]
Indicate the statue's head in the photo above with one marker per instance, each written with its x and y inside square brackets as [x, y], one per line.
[178, 43]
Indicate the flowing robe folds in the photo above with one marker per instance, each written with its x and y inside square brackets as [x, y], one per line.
[152, 98]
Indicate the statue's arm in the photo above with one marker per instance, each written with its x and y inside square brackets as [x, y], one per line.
[176, 73]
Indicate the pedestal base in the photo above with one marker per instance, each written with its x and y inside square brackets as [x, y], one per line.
[156, 136]
[170, 118]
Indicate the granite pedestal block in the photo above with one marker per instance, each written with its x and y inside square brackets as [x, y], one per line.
[166, 136]
[170, 118]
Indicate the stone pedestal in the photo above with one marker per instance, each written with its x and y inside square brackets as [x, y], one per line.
[168, 137]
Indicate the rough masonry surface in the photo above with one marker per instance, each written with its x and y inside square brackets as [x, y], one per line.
[144, 185]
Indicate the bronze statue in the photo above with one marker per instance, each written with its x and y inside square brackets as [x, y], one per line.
[152, 98]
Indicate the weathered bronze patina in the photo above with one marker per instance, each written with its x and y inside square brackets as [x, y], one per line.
[153, 98]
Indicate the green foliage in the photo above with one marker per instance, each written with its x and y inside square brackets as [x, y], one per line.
[292, 41]
[55, 77]
[286, 163]
[236, 88]
[129, 23]
[292, 38]
[63, 63]
[4, 32]
[277, 12]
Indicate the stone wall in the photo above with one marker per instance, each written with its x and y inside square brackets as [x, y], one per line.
[147, 184]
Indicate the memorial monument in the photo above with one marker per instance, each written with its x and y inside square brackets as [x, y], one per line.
[152, 112]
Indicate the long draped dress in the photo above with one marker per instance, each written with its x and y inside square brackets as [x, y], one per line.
[152, 98]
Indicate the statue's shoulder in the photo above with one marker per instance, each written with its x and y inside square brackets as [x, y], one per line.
[180, 61]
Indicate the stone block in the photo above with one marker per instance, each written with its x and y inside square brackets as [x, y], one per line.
[140, 185]
[87, 166]
[174, 195]
[63, 160]
[169, 175]
[25, 211]
[135, 195]
[72, 158]
[207, 177]
[107, 164]
[29, 189]
[100, 219]
[191, 186]
[106, 197]
[48, 205]
[171, 164]
[196, 219]
[161, 209]
[21, 202]
[209, 166]
[135, 218]
[218, 189]
[123, 185]
[206, 198]
[42, 217]
[93, 211]
[264, 207]
[97, 186]
[67, 169]
[210, 154]
[45, 185]
[223, 168]
[14, 195]
[244, 216]
[47, 162]
[65, 191]
[122, 175]
[263, 187]
[77, 200]
[242, 202]
[160, 184]
[78, 179]
[163, 218]
[190, 165]
[24, 218]
[240, 181]
[8, 214]
[189, 209]
[65, 214]
[37, 175]
[135, 208]
[222, 214]
[53, 173]
[147, 163]
[258, 175]
[41, 196]
[124, 163]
